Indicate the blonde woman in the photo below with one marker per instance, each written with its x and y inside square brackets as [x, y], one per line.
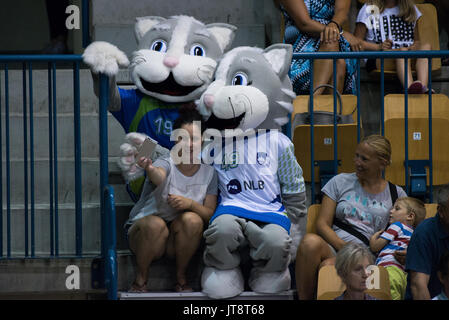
[354, 207]
[352, 264]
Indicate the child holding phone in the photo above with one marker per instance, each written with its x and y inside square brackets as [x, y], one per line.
[392, 25]
[170, 219]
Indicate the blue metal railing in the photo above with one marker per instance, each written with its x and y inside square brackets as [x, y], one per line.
[107, 205]
[29, 152]
[382, 55]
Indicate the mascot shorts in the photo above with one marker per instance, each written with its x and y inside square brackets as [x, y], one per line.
[269, 244]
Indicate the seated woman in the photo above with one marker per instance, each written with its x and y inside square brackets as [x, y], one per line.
[315, 25]
[172, 218]
[351, 264]
[359, 203]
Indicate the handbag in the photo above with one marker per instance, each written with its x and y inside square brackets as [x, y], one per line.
[323, 117]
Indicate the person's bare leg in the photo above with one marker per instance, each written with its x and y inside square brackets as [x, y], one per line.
[186, 234]
[422, 66]
[341, 74]
[322, 69]
[147, 240]
[400, 66]
[312, 251]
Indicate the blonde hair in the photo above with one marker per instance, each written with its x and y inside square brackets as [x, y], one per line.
[349, 256]
[381, 146]
[416, 206]
[406, 9]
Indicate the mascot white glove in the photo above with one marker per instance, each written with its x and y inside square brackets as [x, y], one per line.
[129, 150]
[103, 57]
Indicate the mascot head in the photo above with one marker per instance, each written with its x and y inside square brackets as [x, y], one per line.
[251, 90]
[176, 57]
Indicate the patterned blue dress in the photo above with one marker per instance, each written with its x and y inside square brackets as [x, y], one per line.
[321, 11]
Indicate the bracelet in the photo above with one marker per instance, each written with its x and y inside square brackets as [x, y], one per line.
[340, 29]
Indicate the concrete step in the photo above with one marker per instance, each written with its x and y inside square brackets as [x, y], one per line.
[165, 295]
[90, 175]
[44, 276]
[89, 135]
[91, 240]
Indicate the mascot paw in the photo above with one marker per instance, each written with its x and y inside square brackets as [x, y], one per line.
[269, 282]
[129, 151]
[222, 284]
[103, 57]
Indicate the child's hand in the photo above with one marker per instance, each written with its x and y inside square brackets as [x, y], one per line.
[377, 234]
[387, 44]
[179, 202]
[400, 255]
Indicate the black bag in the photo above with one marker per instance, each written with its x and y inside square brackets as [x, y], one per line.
[323, 117]
[350, 229]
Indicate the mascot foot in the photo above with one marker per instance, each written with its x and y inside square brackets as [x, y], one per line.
[222, 284]
[269, 282]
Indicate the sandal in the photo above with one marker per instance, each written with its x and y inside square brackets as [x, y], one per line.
[183, 288]
[135, 288]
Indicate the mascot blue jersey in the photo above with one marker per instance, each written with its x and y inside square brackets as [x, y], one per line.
[144, 114]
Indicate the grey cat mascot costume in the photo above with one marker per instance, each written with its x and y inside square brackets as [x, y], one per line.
[262, 192]
[172, 66]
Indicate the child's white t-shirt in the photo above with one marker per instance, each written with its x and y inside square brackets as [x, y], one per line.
[387, 25]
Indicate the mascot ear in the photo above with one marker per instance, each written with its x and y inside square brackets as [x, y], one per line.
[143, 24]
[223, 32]
[280, 57]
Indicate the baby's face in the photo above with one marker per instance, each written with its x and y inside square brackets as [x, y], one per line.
[399, 213]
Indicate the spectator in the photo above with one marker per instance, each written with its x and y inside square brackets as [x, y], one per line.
[442, 7]
[405, 216]
[392, 25]
[443, 275]
[427, 245]
[316, 25]
[58, 30]
[354, 207]
[172, 218]
[351, 264]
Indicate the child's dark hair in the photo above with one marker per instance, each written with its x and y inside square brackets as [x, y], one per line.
[443, 265]
[188, 116]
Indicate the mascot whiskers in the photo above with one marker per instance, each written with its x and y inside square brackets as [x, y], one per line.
[262, 192]
[172, 66]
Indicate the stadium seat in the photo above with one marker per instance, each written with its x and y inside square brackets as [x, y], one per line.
[330, 285]
[324, 136]
[431, 209]
[312, 214]
[428, 30]
[418, 138]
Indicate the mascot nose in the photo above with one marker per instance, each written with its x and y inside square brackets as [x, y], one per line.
[209, 100]
[171, 62]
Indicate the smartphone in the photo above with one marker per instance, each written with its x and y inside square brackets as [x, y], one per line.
[146, 149]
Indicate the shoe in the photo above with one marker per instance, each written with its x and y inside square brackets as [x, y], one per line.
[426, 90]
[135, 288]
[416, 88]
[183, 288]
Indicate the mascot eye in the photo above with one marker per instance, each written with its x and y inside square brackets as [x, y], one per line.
[240, 79]
[159, 45]
[197, 50]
